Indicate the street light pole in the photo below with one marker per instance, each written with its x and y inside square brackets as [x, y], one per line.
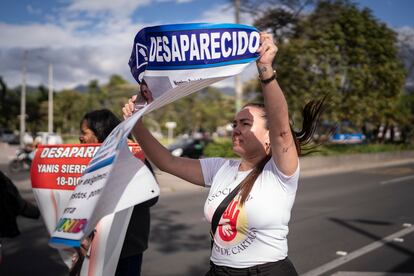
[50, 102]
[23, 102]
[237, 80]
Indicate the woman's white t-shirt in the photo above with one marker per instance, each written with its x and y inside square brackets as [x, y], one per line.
[255, 233]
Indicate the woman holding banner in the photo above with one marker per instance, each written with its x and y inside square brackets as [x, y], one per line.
[250, 200]
[95, 127]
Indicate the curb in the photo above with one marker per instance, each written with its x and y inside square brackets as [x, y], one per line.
[322, 165]
[310, 167]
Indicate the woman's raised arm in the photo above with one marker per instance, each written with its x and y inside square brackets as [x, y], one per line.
[282, 141]
[185, 168]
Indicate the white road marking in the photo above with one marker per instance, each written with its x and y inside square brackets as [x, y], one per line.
[396, 180]
[359, 252]
[366, 273]
[341, 253]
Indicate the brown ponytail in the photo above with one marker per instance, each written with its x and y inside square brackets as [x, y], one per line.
[311, 114]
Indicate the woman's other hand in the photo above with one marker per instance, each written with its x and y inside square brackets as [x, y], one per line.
[129, 107]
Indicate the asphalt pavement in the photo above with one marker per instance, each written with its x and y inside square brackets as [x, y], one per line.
[350, 223]
[335, 217]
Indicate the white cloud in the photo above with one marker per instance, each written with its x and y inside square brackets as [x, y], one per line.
[77, 53]
[31, 10]
[175, 1]
[223, 14]
[115, 7]
[33, 35]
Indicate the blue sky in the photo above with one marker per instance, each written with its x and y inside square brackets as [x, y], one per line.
[91, 39]
[397, 13]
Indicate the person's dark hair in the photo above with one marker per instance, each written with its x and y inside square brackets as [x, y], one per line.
[311, 114]
[101, 122]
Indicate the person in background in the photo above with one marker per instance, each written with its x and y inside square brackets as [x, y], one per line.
[249, 236]
[95, 127]
[12, 205]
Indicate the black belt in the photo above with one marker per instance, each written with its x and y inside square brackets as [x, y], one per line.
[261, 269]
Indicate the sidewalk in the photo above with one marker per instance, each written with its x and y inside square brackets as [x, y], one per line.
[322, 165]
[310, 167]
[171, 184]
[7, 152]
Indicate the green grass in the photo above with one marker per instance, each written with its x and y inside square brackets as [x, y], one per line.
[220, 147]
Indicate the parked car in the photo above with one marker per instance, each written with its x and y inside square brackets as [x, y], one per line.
[7, 136]
[188, 147]
[347, 138]
[346, 133]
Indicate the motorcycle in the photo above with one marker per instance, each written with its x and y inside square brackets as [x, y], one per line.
[22, 162]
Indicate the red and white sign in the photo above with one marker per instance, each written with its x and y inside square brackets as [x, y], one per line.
[55, 172]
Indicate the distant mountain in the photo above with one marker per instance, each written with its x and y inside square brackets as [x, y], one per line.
[81, 88]
[409, 87]
[227, 90]
[29, 89]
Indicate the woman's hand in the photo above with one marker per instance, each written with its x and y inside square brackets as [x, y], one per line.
[267, 52]
[80, 254]
[83, 250]
[129, 107]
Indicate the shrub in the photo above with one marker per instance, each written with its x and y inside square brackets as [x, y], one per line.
[222, 147]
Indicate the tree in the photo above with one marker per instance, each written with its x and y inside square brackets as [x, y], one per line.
[116, 93]
[3, 92]
[347, 54]
[205, 110]
[70, 107]
[406, 51]
[116, 80]
[9, 106]
[280, 17]
[406, 110]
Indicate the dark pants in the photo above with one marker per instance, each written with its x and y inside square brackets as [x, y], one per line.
[129, 266]
[279, 268]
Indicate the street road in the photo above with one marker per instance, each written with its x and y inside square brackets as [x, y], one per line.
[339, 212]
[347, 213]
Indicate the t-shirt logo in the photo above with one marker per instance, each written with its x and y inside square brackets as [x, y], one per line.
[228, 230]
[233, 225]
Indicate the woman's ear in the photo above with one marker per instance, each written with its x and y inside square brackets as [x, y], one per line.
[267, 141]
[268, 148]
[267, 137]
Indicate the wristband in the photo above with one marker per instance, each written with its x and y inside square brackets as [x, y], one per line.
[266, 81]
